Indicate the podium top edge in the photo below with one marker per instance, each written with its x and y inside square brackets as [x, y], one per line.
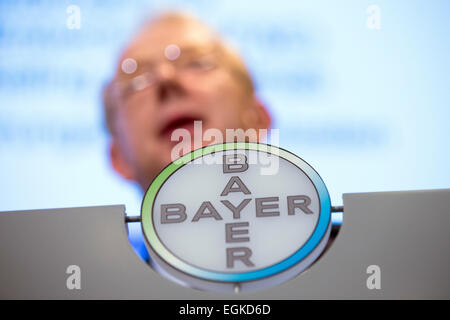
[84, 208]
[397, 192]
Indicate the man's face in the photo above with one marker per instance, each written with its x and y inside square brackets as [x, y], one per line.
[196, 85]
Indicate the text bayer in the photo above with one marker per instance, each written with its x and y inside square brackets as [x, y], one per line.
[246, 309]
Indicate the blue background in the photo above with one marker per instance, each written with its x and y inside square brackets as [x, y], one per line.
[368, 109]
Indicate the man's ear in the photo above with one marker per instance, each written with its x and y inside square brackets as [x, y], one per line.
[264, 118]
[119, 162]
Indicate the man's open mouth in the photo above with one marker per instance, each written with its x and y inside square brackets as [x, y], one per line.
[182, 122]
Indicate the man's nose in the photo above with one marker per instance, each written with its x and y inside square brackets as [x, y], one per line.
[165, 71]
[167, 82]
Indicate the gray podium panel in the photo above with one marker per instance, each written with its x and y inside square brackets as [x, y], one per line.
[405, 234]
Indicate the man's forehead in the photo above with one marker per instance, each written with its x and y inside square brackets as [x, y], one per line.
[152, 41]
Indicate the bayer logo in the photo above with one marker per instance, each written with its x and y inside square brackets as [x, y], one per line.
[236, 215]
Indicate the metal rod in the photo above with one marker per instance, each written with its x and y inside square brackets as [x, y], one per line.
[129, 219]
[337, 209]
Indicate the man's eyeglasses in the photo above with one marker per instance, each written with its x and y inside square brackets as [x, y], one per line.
[184, 65]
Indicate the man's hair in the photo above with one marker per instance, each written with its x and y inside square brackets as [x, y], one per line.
[234, 62]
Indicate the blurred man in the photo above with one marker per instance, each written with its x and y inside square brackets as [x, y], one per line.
[174, 72]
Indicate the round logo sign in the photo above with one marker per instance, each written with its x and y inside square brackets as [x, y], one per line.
[236, 216]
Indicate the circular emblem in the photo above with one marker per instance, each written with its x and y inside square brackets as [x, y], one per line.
[236, 216]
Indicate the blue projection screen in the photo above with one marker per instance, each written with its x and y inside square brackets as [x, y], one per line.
[358, 89]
